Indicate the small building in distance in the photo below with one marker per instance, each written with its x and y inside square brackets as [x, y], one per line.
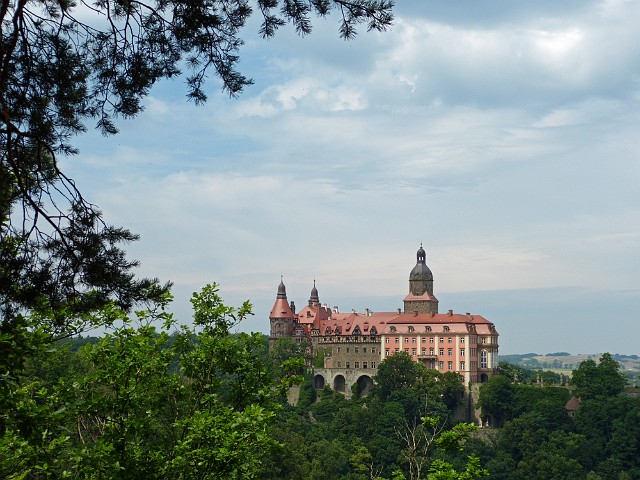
[346, 348]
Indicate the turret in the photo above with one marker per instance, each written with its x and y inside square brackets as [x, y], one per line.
[281, 318]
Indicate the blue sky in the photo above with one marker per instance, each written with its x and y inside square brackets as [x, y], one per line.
[504, 136]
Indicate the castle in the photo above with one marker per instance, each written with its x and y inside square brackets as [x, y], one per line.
[346, 348]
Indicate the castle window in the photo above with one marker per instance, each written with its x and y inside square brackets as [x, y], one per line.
[449, 340]
[347, 349]
[462, 352]
[413, 352]
[449, 365]
[357, 350]
[348, 365]
[430, 339]
[339, 364]
[356, 365]
[461, 365]
[483, 340]
[441, 339]
[364, 349]
[427, 328]
[338, 349]
[396, 350]
[386, 340]
[413, 340]
[461, 339]
[373, 350]
[431, 351]
[373, 364]
[392, 329]
[365, 365]
[424, 351]
[442, 352]
[397, 340]
[386, 352]
[441, 365]
[450, 352]
[483, 359]
[445, 329]
[411, 329]
[406, 339]
[424, 340]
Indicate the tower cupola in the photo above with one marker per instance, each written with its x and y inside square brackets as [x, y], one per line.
[421, 272]
[314, 299]
[420, 298]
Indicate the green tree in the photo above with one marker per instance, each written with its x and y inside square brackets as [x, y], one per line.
[515, 373]
[497, 398]
[395, 373]
[602, 379]
[195, 404]
[420, 437]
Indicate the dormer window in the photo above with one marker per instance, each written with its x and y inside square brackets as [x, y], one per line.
[446, 329]
[392, 329]
[427, 328]
[411, 329]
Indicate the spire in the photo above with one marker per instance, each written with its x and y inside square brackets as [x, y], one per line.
[314, 298]
[281, 308]
[282, 290]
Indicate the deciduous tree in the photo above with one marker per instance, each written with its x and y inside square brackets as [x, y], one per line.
[601, 379]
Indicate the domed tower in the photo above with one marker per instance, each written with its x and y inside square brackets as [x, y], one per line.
[314, 299]
[281, 318]
[421, 278]
[420, 298]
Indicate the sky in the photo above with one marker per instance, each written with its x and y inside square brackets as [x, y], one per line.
[503, 136]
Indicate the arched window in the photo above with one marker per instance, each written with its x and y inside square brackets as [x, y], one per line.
[483, 359]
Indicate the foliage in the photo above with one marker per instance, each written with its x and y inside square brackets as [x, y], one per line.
[142, 403]
[601, 379]
[397, 372]
[497, 398]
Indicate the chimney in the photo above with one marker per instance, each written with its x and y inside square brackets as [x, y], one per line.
[450, 312]
[335, 309]
[399, 311]
[293, 307]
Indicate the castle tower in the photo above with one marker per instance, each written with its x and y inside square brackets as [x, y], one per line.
[314, 299]
[281, 318]
[420, 298]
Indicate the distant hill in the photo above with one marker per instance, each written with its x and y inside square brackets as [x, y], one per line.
[567, 361]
